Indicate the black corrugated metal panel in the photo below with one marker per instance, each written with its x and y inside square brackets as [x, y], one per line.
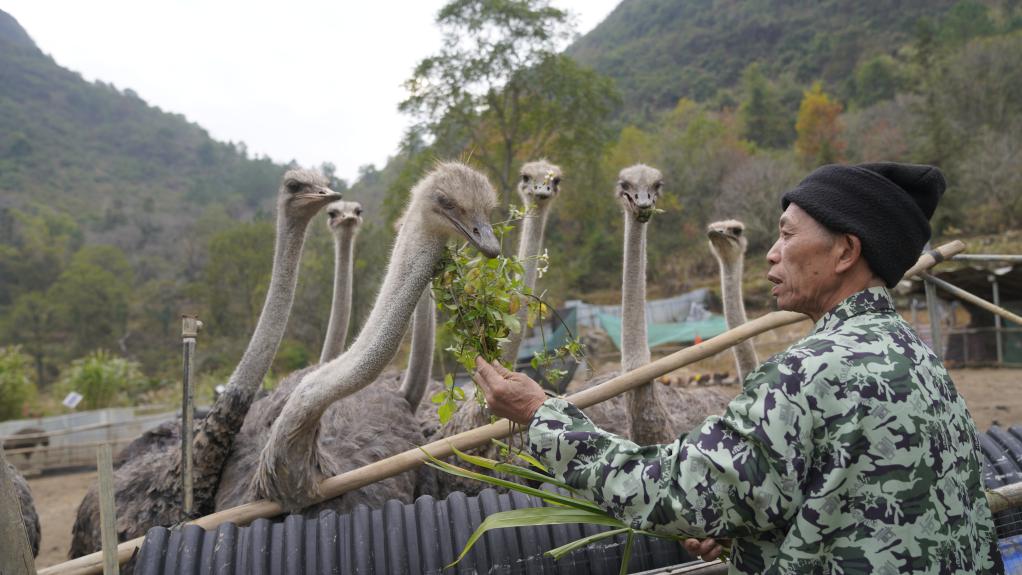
[400, 538]
[1002, 465]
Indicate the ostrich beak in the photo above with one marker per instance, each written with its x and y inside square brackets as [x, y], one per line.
[480, 234]
[714, 234]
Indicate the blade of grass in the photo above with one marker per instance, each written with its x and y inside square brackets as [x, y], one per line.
[522, 455]
[510, 469]
[533, 516]
[580, 543]
[627, 554]
[548, 496]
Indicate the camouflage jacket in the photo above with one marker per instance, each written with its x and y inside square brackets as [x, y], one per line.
[850, 452]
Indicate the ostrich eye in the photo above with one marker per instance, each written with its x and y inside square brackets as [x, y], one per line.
[657, 186]
[525, 178]
[624, 185]
[358, 211]
[332, 214]
[736, 231]
[445, 202]
[557, 181]
[294, 186]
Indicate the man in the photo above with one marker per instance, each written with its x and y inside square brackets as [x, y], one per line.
[850, 452]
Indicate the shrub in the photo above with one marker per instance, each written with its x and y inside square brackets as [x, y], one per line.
[103, 379]
[17, 384]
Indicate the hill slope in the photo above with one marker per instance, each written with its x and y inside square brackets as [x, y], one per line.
[662, 50]
[131, 174]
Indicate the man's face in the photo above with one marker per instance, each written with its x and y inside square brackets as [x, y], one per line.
[802, 264]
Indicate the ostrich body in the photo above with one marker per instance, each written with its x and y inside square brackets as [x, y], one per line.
[728, 244]
[538, 185]
[452, 200]
[148, 486]
[28, 512]
[343, 219]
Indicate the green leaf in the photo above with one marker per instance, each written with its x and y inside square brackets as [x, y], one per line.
[548, 496]
[510, 469]
[580, 543]
[540, 516]
[626, 555]
[522, 455]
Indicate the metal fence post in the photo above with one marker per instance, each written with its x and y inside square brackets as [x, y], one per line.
[934, 311]
[997, 320]
[190, 326]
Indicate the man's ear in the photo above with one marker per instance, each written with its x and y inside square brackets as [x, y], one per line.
[849, 252]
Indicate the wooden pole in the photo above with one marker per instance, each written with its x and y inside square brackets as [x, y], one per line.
[15, 551]
[405, 461]
[973, 299]
[190, 326]
[107, 510]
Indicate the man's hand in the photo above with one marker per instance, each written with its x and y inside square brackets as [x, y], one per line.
[512, 395]
[707, 549]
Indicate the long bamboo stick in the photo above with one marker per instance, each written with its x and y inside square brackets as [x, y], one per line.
[407, 460]
[973, 299]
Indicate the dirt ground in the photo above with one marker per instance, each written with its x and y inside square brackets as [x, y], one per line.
[993, 396]
[56, 497]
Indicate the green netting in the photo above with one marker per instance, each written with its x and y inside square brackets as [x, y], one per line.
[661, 333]
[554, 339]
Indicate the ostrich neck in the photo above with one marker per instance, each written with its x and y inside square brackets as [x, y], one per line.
[530, 245]
[340, 311]
[634, 342]
[649, 424]
[414, 258]
[214, 438]
[420, 359]
[734, 312]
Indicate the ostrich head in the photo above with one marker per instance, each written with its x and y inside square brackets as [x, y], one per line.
[344, 216]
[727, 239]
[455, 201]
[637, 189]
[540, 182]
[303, 193]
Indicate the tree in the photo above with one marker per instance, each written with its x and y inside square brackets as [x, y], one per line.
[91, 297]
[32, 324]
[763, 118]
[236, 276]
[498, 92]
[818, 128]
[876, 80]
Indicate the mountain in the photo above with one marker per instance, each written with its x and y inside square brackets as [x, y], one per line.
[661, 50]
[132, 175]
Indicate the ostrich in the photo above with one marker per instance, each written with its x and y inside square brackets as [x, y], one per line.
[148, 486]
[28, 513]
[728, 244]
[313, 435]
[651, 413]
[343, 219]
[539, 185]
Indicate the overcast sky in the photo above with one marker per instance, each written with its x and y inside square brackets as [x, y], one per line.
[308, 80]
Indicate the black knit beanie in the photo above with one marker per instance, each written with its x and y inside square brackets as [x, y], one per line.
[887, 205]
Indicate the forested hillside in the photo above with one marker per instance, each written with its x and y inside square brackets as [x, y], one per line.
[116, 217]
[661, 50]
[111, 214]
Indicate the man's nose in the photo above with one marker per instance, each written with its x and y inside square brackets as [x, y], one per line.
[774, 255]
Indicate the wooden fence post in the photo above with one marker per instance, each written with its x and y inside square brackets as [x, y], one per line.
[15, 552]
[107, 511]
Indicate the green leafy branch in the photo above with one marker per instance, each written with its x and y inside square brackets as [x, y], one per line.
[564, 509]
[482, 298]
